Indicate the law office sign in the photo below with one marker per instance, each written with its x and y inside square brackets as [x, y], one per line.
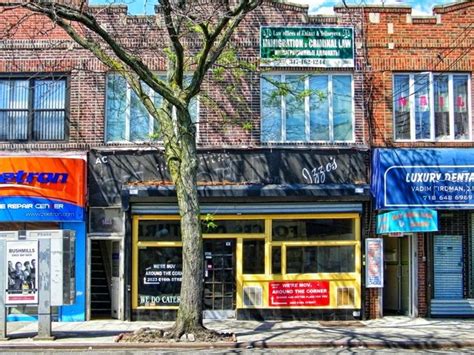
[321, 47]
[408, 221]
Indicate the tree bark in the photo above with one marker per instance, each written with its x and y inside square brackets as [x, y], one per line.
[184, 175]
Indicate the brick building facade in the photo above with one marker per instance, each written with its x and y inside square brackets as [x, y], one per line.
[419, 91]
[287, 182]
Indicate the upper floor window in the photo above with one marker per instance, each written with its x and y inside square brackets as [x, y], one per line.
[127, 119]
[33, 109]
[307, 108]
[430, 106]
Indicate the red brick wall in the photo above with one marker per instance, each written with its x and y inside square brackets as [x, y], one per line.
[233, 123]
[439, 43]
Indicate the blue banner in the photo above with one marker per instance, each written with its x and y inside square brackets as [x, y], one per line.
[31, 209]
[407, 221]
[434, 178]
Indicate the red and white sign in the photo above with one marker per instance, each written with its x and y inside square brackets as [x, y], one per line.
[298, 293]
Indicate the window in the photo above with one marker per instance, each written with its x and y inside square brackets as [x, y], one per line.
[312, 229]
[431, 106]
[253, 257]
[313, 245]
[301, 260]
[307, 108]
[127, 119]
[33, 109]
[160, 273]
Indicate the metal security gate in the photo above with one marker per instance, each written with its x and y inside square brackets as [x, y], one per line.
[448, 267]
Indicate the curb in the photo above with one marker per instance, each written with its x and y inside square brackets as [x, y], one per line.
[353, 343]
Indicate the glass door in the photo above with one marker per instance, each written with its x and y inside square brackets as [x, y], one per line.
[219, 274]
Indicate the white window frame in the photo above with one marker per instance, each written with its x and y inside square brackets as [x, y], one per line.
[411, 101]
[330, 76]
[127, 118]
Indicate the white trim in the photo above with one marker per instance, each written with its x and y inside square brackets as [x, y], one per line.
[431, 107]
[451, 105]
[151, 120]
[283, 112]
[412, 102]
[128, 99]
[330, 109]
[330, 75]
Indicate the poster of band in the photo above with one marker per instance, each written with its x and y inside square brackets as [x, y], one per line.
[22, 274]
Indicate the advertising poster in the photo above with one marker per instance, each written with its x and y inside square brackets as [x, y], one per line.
[22, 276]
[160, 272]
[374, 263]
[299, 293]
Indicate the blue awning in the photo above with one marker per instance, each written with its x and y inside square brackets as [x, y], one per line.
[429, 178]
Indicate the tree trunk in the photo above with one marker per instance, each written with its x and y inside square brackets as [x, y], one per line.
[189, 317]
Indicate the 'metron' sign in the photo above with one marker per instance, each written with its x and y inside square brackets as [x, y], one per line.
[42, 188]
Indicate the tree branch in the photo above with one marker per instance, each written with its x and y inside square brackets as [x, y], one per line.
[211, 50]
[57, 12]
[174, 37]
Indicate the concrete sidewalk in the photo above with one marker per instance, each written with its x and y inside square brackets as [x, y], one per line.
[389, 332]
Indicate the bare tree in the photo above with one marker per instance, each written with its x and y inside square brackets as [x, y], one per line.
[211, 24]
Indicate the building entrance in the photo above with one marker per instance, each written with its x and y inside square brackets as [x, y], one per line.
[104, 279]
[396, 291]
[219, 278]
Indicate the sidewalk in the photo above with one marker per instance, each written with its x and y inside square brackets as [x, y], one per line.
[389, 332]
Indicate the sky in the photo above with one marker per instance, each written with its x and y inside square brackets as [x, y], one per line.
[420, 7]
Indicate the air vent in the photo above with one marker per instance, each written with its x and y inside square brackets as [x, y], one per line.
[345, 296]
[252, 296]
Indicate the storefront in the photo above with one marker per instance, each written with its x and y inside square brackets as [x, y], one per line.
[46, 192]
[437, 264]
[276, 244]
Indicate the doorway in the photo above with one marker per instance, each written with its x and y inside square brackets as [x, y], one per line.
[397, 276]
[105, 280]
[219, 278]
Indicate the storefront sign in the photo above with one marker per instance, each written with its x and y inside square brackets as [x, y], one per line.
[298, 293]
[307, 46]
[22, 278]
[436, 178]
[374, 262]
[408, 221]
[42, 188]
[160, 272]
[110, 171]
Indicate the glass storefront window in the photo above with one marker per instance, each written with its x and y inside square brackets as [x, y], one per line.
[233, 227]
[312, 229]
[254, 257]
[159, 276]
[327, 259]
[276, 260]
[159, 231]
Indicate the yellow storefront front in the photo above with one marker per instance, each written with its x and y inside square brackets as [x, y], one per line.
[269, 265]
